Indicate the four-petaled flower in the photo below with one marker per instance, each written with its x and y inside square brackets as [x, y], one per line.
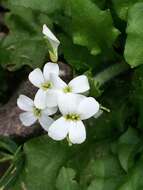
[32, 113]
[46, 95]
[74, 109]
[52, 42]
[77, 85]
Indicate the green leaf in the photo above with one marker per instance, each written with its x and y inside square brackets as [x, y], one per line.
[44, 157]
[128, 148]
[65, 180]
[24, 52]
[122, 7]
[134, 46]
[99, 34]
[46, 6]
[105, 167]
[102, 165]
[80, 60]
[133, 180]
[25, 40]
[8, 145]
[24, 45]
[100, 3]
[105, 184]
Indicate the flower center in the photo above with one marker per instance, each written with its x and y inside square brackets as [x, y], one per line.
[46, 85]
[37, 112]
[72, 117]
[67, 89]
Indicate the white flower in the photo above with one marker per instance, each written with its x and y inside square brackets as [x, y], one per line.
[46, 95]
[53, 43]
[77, 85]
[32, 114]
[98, 114]
[74, 109]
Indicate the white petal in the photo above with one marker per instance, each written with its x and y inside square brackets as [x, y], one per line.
[77, 133]
[51, 37]
[51, 98]
[88, 107]
[36, 77]
[59, 129]
[27, 118]
[40, 99]
[45, 121]
[57, 82]
[98, 114]
[25, 103]
[79, 84]
[50, 111]
[50, 68]
[68, 103]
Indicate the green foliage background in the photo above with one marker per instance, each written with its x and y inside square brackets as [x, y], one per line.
[95, 35]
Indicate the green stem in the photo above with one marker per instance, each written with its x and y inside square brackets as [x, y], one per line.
[6, 159]
[104, 108]
[110, 73]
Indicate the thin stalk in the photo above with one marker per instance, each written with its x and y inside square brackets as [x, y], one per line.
[110, 73]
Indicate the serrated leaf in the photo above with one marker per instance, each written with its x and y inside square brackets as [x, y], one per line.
[65, 180]
[134, 46]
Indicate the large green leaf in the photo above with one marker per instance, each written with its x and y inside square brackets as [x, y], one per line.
[122, 7]
[65, 180]
[46, 6]
[105, 167]
[134, 46]
[82, 60]
[133, 181]
[95, 31]
[24, 44]
[44, 158]
[24, 52]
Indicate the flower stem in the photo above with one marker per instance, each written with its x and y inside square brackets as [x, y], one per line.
[110, 73]
[104, 108]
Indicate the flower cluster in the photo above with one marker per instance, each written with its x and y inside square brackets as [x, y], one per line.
[54, 94]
